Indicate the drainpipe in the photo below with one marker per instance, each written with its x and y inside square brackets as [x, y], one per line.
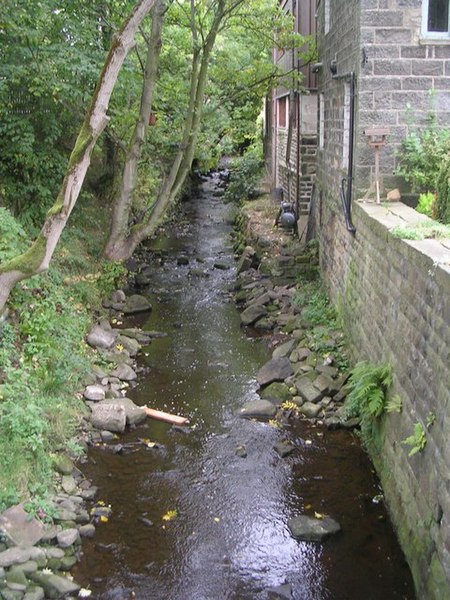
[347, 182]
[292, 95]
[296, 65]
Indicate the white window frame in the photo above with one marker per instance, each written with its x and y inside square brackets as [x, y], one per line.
[321, 121]
[326, 16]
[346, 126]
[286, 112]
[440, 35]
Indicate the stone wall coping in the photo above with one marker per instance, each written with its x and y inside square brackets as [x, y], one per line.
[395, 214]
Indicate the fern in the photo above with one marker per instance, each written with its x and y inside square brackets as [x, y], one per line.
[368, 385]
[394, 404]
[367, 398]
[417, 441]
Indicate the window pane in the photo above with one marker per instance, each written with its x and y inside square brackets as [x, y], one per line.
[438, 15]
[282, 107]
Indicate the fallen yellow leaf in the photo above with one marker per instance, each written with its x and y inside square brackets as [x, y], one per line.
[170, 514]
[104, 519]
[319, 515]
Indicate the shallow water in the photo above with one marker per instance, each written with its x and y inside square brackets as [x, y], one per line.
[229, 538]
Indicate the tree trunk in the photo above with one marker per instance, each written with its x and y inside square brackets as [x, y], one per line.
[182, 163]
[123, 201]
[37, 258]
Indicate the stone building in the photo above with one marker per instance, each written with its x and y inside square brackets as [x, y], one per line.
[294, 109]
[384, 64]
[382, 67]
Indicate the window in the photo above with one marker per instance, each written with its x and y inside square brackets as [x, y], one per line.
[321, 121]
[346, 130]
[435, 18]
[326, 10]
[282, 106]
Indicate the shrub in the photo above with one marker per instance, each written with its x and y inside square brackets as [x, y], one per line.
[426, 203]
[442, 206]
[245, 176]
[421, 156]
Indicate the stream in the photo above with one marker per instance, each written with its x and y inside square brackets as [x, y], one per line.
[224, 535]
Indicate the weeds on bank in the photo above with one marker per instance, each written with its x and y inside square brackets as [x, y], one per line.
[43, 360]
[422, 231]
[323, 332]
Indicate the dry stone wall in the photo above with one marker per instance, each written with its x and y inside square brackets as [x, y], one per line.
[394, 297]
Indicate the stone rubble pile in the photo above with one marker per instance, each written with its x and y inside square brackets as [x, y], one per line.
[36, 557]
[296, 374]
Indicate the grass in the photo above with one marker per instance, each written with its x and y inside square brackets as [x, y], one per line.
[43, 356]
[422, 231]
[318, 315]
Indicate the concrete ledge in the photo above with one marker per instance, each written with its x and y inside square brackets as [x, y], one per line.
[397, 214]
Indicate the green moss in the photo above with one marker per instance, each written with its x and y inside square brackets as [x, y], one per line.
[27, 263]
[84, 138]
[437, 581]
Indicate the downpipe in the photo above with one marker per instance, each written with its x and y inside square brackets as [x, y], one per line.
[346, 189]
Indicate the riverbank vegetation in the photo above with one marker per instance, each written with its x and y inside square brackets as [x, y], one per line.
[423, 162]
[43, 356]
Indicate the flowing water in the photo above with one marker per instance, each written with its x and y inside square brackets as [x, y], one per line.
[228, 539]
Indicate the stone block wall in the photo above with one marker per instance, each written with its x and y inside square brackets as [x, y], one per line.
[402, 77]
[394, 297]
[342, 45]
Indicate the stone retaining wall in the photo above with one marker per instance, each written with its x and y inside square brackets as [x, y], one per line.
[394, 297]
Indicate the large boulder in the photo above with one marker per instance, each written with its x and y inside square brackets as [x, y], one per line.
[55, 586]
[14, 556]
[131, 345]
[247, 261]
[19, 528]
[108, 416]
[124, 372]
[284, 349]
[101, 338]
[257, 408]
[133, 413]
[136, 304]
[68, 537]
[309, 529]
[94, 392]
[310, 410]
[276, 369]
[308, 391]
[252, 313]
[276, 391]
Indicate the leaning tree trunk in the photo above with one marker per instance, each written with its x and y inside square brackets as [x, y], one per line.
[37, 258]
[183, 160]
[123, 200]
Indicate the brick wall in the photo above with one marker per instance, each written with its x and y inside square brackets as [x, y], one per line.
[394, 297]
